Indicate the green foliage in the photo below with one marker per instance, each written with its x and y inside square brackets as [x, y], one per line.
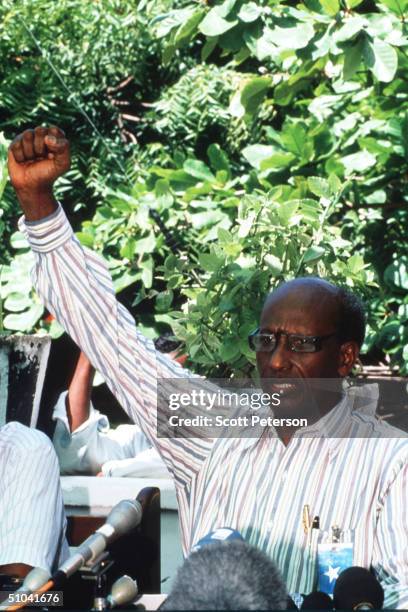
[195, 110]
[333, 78]
[246, 142]
[62, 60]
[20, 308]
[276, 236]
[235, 243]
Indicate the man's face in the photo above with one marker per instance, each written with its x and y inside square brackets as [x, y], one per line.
[310, 312]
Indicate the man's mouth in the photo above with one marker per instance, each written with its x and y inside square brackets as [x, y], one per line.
[284, 387]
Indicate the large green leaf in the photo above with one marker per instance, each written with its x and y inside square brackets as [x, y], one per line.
[215, 24]
[297, 141]
[350, 28]
[389, 335]
[399, 7]
[18, 241]
[253, 93]
[396, 274]
[331, 7]
[255, 154]
[147, 272]
[125, 279]
[261, 46]
[146, 245]
[16, 302]
[218, 159]
[210, 262]
[292, 38]
[358, 162]
[207, 219]
[249, 12]
[287, 210]
[24, 321]
[163, 24]
[352, 59]
[229, 350]
[128, 248]
[351, 4]
[85, 239]
[188, 28]
[355, 263]
[164, 300]
[319, 186]
[277, 161]
[209, 47]
[381, 58]
[198, 169]
[313, 254]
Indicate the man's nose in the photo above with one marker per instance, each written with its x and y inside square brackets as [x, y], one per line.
[280, 357]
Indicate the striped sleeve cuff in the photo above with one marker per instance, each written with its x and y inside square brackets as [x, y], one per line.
[47, 234]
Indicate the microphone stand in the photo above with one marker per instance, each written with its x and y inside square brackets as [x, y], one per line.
[97, 573]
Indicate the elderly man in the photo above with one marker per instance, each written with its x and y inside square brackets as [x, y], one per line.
[32, 518]
[259, 486]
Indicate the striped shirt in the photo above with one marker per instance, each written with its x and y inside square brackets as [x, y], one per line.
[356, 479]
[32, 517]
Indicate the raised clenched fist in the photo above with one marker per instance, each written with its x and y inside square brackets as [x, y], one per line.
[36, 158]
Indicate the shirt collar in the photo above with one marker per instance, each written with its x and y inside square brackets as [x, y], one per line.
[336, 424]
[339, 422]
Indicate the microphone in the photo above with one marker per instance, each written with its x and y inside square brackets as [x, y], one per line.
[357, 589]
[123, 517]
[34, 580]
[124, 590]
[227, 575]
[317, 600]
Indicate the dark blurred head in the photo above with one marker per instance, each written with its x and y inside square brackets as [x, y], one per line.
[228, 575]
[170, 346]
[166, 343]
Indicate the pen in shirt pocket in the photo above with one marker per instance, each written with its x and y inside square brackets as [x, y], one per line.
[314, 533]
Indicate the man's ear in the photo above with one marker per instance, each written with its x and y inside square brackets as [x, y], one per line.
[349, 352]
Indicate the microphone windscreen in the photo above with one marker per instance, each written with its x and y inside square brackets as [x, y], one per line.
[231, 575]
[222, 534]
[317, 601]
[356, 586]
[123, 517]
[124, 590]
[35, 579]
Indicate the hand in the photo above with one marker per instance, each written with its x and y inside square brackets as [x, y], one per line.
[36, 158]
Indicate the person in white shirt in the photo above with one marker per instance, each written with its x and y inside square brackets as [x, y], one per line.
[86, 444]
[32, 517]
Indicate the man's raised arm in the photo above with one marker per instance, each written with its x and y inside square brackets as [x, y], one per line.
[75, 285]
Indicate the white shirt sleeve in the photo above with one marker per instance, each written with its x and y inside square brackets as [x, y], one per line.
[85, 450]
[148, 464]
[32, 517]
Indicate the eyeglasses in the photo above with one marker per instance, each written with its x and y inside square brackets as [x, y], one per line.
[266, 343]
